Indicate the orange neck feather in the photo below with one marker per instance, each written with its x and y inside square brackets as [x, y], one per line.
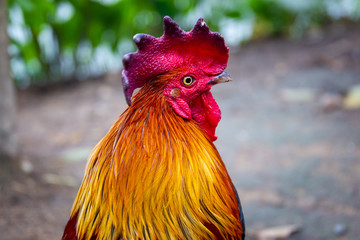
[156, 175]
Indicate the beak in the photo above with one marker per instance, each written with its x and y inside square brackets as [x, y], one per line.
[221, 78]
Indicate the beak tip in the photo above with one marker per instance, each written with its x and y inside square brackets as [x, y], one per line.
[221, 78]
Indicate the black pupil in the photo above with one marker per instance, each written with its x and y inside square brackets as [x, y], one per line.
[188, 80]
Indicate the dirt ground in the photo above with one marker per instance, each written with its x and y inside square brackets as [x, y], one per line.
[287, 136]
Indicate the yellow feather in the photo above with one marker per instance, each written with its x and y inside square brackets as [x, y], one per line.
[155, 175]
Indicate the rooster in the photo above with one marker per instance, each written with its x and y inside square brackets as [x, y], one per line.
[157, 174]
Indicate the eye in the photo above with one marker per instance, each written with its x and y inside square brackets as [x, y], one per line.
[188, 81]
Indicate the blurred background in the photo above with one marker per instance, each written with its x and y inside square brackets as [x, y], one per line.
[290, 129]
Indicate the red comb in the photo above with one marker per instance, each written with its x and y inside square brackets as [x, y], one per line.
[200, 48]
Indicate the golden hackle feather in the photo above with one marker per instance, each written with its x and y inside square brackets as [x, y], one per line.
[156, 175]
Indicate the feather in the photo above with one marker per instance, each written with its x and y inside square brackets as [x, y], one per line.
[155, 175]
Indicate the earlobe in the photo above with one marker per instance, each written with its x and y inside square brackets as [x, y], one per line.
[175, 93]
[180, 107]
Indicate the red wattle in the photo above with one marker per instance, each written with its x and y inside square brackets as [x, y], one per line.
[206, 113]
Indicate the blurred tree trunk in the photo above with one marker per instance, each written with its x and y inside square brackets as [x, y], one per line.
[8, 143]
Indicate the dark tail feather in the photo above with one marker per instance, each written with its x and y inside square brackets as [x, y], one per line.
[241, 214]
[70, 229]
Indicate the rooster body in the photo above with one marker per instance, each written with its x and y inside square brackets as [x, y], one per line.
[157, 174]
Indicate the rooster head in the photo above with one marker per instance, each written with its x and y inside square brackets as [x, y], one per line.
[196, 61]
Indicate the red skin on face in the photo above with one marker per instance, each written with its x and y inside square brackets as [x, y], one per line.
[195, 101]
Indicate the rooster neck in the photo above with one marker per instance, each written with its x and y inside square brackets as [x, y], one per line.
[156, 175]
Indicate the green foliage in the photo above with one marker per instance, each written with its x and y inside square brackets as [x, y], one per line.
[277, 17]
[57, 40]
